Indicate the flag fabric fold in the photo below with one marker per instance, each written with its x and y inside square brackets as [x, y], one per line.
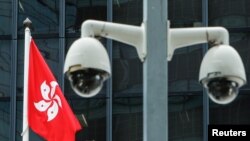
[49, 114]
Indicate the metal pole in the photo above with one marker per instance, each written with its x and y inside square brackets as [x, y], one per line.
[205, 96]
[25, 133]
[61, 43]
[13, 82]
[109, 88]
[155, 75]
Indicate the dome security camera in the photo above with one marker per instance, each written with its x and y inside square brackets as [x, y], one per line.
[222, 73]
[87, 66]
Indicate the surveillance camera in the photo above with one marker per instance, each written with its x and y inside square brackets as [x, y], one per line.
[87, 66]
[222, 73]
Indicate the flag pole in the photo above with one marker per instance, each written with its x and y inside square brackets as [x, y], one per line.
[27, 37]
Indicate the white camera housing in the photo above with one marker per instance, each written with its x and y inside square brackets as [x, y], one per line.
[87, 66]
[222, 73]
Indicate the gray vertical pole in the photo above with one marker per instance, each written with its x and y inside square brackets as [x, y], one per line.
[61, 48]
[155, 75]
[13, 90]
[205, 96]
[109, 82]
[13, 72]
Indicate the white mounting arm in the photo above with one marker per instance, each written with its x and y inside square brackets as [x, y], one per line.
[132, 35]
[181, 37]
[135, 35]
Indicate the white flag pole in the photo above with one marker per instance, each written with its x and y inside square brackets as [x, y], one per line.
[27, 39]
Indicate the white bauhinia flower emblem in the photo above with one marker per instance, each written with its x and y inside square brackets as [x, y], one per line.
[50, 102]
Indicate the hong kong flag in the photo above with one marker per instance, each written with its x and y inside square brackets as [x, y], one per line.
[49, 114]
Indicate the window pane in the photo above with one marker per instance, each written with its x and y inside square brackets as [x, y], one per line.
[185, 118]
[4, 119]
[183, 69]
[5, 68]
[94, 111]
[19, 119]
[127, 67]
[128, 11]
[127, 71]
[44, 15]
[5, 17]
[49, 48]
[185, 13]
[78, 11]
[127, 77]
[127, 119]
[229, 13]
[241, 42]
[236, 112]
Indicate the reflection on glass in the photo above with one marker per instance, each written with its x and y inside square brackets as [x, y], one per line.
[229, 13]
[44, 15]
[241, 42]
[127, 67]
[127, 77]
[78, 11]
[4, 119]
[19, 119]
[183, 70]
[127, 119]
[185, 13]
[5, 17]
[236, 112]
[127, 71]
[185, 118]
[49, 48]
[128, 11]
[5, 68]
[94, 111]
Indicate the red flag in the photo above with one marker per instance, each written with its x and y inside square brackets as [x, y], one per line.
[49, 114]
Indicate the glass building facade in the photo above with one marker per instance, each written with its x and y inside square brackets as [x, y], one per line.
[116, 113]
